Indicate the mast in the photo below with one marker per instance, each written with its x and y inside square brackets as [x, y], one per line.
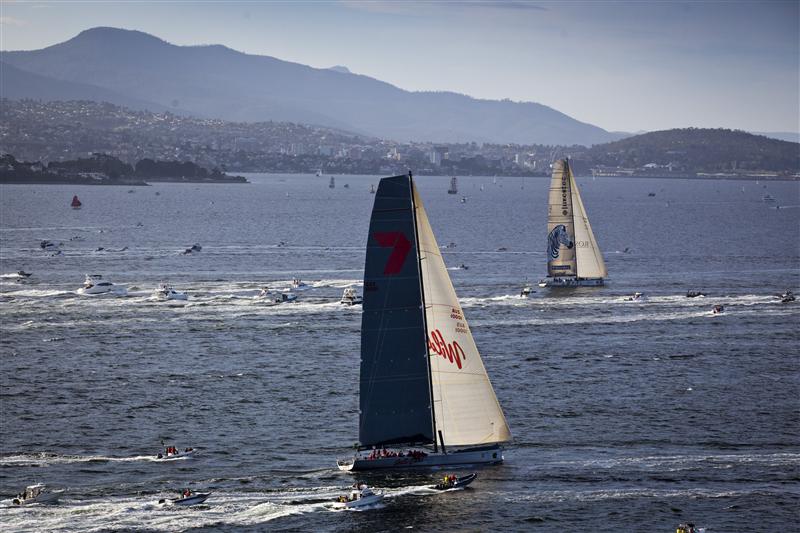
[424, 318]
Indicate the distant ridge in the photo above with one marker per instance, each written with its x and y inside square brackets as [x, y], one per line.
[698, 150]
[215, 81]
[18, 84]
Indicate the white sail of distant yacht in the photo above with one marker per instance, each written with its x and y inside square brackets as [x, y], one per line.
[423, 385]
[573, 256]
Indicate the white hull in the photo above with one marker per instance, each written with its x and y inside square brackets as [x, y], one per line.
[194, 499]
[362, 502]
[175, 456]
[571, 282]
[487, 456]
[116, 290]
[45, 498]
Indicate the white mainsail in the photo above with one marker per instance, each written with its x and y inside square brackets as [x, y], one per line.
[466, 410]
[561, 260]
[587, 253]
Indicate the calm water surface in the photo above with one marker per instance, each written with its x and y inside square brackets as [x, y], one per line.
[625, 416]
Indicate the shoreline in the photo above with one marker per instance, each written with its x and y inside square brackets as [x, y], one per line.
[114, 183]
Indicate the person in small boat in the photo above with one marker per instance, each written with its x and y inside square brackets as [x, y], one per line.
[187, 493]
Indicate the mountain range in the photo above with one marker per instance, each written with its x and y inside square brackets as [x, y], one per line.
[140, 71]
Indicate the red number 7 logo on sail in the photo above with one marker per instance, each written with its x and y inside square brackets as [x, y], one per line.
[401, 247]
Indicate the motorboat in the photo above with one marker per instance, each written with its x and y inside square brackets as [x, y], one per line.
[263, 293]
[768, 198]
[166, 292]
[94, 285]
[689, 527]
[283, 298]
[526, 291]
[192, 249]
[298, 285]
[38, 493]
[351, 297]
[270, 298]
[171, 453]
[787, 297]
[463, 199]
[718, 309]
[360, 496]
[186, 499]
[636, 297]
[455, 482]
[49, 246]
[462, 266]
[19, 275]
[694, 294]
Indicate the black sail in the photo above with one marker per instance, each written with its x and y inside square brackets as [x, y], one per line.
[395, 388]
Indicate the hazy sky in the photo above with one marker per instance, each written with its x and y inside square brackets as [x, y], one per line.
[624, 66]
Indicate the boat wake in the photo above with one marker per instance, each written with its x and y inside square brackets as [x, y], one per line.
[46, 458]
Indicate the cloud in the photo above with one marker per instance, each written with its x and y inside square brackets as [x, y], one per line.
[11, 21]
[416, 6]
[519, 5]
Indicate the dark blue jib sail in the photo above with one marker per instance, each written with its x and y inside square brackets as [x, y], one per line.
[395, 388]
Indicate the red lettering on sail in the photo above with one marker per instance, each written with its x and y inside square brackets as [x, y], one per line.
[452, 351]
[401, 246]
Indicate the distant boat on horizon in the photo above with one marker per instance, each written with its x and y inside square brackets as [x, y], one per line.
[453, 186]
[573, 257]
[76, 204]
